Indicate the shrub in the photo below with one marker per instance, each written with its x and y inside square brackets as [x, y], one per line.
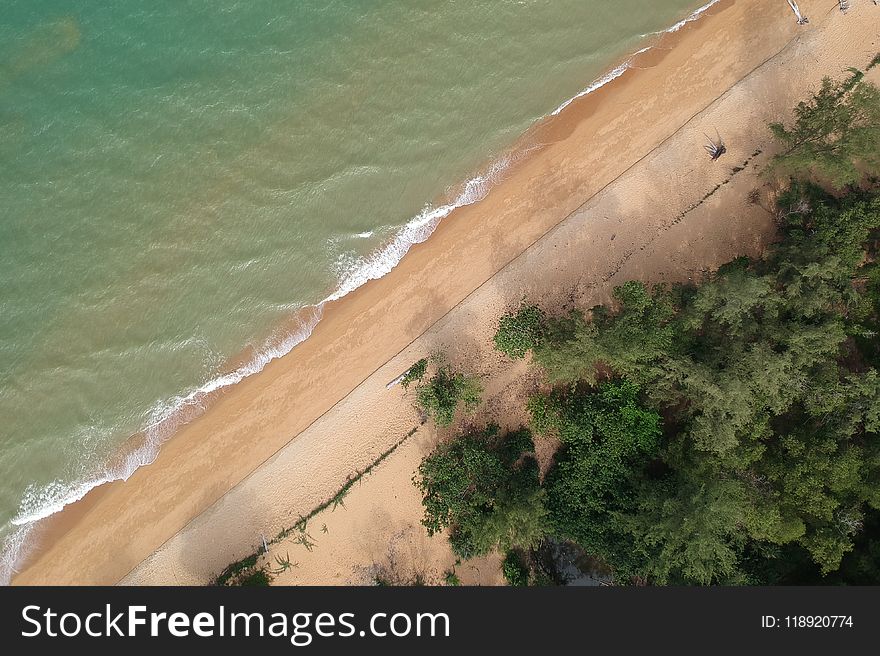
[258, 577]
[451, 578]
[484, 488]
[442, 394]
[521, 331]
[414, 373]
[514, 570]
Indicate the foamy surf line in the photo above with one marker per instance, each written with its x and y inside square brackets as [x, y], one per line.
[168, 416]
[627, 64]
[694, 16]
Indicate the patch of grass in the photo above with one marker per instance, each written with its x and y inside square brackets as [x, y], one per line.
[245, 572]
[258, 577]
[236, 569]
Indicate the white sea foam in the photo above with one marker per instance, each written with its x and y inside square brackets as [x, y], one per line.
[601, 82]
[626, 65]
[694, 16]
[417, 230]
[167, 416]
[15, 546]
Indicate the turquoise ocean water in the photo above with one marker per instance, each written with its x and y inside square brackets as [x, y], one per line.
[179, 178]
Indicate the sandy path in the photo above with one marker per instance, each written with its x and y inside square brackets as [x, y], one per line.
[208, 498]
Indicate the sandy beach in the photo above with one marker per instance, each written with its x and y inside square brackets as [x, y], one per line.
[617, 186]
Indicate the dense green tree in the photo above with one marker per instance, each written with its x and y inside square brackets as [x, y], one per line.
[484, 487]
[835, 135]
[442, 394]
[607, 440]
[520, 331]
[641, 335]
[771, 407]
[688, 531]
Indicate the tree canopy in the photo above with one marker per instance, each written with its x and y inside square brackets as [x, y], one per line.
[608, 439]
[770, 406]
[444, 392]
[835, 135]
[484, 487]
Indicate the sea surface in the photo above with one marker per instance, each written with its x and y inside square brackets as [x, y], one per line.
[183, 182]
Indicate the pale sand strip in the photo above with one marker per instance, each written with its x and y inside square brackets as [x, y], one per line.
[591, 144]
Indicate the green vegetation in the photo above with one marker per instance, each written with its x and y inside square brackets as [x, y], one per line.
[836, 135]
[484, 487]
[521, 331]
[258, 577]
[440, 396]
[245, 573]
[607, 438]
[515, 571]
[451, 578]
[726, 431]
[771, 410]
[414, 373]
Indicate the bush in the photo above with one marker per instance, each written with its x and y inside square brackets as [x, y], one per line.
[521, 331]
[442, 394]
[414, 373]
[245, 572]
[484, 488]
[451, 578]
[258, 577]
[514, 570]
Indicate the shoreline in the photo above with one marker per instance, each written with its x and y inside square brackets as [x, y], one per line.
[169, 415]
[252, 406]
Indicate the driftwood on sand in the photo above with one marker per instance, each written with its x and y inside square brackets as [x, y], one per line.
[801, 19]
[716, 147]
